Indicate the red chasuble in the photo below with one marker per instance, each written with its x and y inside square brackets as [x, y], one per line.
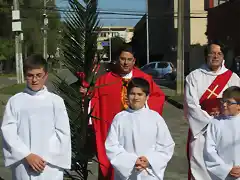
[107, 102]
[210, 103]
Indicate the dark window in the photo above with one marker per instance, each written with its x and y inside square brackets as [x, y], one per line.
[152, 66]
[162, 65]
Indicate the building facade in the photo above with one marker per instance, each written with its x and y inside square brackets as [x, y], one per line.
[106, 33]
[162, 18]
[163, 31]
[223, 25]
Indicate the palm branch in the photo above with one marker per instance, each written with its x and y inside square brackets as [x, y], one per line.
[79, 47]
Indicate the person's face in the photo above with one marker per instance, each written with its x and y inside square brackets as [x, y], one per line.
[230, 107]
[137, 98]
[126, 62]
[215, 57]
[36, 78]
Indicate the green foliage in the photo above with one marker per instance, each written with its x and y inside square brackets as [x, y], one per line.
[5, 18]
[6, 49]
[32, 23]
[32, 13]
[12, 90]
[79, 46]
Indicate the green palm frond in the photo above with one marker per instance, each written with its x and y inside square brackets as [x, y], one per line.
[79, 48]
[80, 36]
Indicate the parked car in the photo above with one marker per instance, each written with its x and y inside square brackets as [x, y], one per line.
[162, 70]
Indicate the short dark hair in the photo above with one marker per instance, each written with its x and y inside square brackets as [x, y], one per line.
[232, 92]
[35, 61]
[140, 83]
[126, 48]
[215, 42]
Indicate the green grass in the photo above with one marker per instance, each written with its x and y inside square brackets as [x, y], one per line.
[14, 89]
[7, 75]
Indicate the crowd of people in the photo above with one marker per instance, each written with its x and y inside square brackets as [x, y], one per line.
[133, 141]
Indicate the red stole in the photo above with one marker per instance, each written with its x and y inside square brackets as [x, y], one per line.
[107, 103]
[209, 101]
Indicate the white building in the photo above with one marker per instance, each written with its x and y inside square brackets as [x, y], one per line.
[114, 31]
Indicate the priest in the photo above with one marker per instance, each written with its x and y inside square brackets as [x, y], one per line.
[204, 87]
[35, 128]
[111, 97]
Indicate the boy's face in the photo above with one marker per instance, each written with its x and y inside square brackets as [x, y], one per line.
[230, 107]
[36, 78]
[137, 98]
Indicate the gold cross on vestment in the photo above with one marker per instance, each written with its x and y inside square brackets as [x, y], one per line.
[212, 92]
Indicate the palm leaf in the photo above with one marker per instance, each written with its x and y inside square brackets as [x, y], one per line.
[79, 48]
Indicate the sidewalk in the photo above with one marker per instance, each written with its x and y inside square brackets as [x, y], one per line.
[172, 98]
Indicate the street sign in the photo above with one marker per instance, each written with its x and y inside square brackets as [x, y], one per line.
[105, 43]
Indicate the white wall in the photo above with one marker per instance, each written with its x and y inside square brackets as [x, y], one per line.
[198, 25]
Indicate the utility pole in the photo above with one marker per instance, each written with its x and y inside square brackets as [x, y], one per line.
[110, 44]
[17, 28]
[45, 28]
[147, 31]
[180, 49]
[21, 58]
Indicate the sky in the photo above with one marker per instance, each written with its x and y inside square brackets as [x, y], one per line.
[130, 7]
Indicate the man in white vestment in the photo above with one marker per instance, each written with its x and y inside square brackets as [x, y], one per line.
[35, 128]
[139, 144]
[222, 146]
[204, 87]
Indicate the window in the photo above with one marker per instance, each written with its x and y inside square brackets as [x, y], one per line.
[148, 66]
[162, 65]
[151, 66]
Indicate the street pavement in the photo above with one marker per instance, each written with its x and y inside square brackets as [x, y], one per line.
[177, 168]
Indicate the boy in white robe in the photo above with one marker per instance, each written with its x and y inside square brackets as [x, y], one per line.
[35, 128]
[222, 146]
[139, 144]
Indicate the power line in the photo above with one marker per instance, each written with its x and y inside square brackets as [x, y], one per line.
[127, 18]
[100, 11]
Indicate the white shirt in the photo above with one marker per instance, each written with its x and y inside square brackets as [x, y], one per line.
[139, 133]
[36, 122]
[222, 147]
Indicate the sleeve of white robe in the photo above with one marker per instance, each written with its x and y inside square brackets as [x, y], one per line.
[159, 156]
[198, 119]
[60, 143]
[122, 161]
[14, 149]
[215, 165]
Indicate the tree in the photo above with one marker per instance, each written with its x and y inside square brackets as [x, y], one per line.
[5, 18]
[6, 48]
[79, 47]
[32, 23]
[32, 18]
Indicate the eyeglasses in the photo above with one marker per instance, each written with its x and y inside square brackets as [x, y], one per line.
[126, 59]
[228, 102]
[212, 54]
[37, 76]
